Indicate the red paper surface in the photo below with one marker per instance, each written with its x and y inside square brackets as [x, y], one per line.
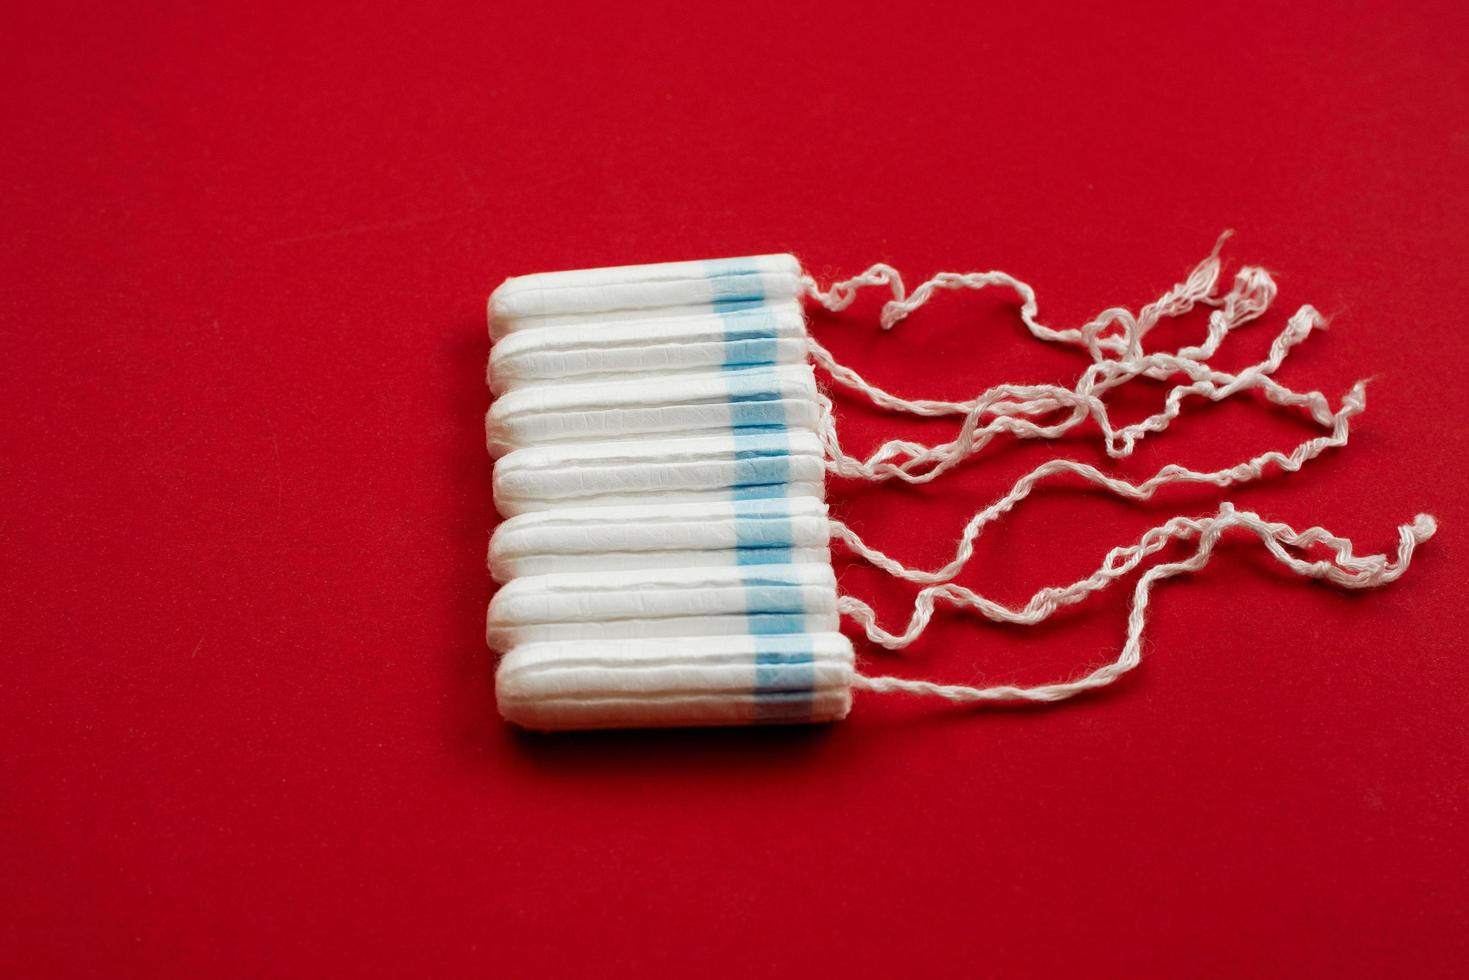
[246, 713]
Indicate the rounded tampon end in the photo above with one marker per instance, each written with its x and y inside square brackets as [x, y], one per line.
[676, 682]
[497, 436]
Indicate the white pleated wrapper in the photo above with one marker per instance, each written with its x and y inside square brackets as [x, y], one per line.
[659, 346]
[717, 534]
[723, 680]
[665, 560]
[669, 404]
[761, 600]
[669, 470]
[631, 292]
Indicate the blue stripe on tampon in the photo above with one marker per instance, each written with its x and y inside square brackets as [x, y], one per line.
[736, 284]
[771, 472]
[785, 678]
[763, 532]
[774, 605]
[764, 414]
[748, 384]
[754, 399]
[749, 337]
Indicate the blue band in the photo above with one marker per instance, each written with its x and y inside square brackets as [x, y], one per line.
[774, 604]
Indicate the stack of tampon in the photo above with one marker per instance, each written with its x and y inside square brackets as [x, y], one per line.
[664, 557]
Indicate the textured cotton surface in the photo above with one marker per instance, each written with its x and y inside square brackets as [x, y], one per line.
[729, 680]
[595, 295]
[770, 531]
[662, 404]
[667, 469]
[666, 560]
[772, 333]
[757, 600]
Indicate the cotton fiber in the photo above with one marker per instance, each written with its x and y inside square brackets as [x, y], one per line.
[748, 398]
[709, 680]
[726, 466]
[666, 559]
[662, 447]
[663, 346]
[635, 291]
[703, 534]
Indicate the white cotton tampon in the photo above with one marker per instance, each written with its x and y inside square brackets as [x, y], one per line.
[528, 301]
[715, 680]
[601, 410]
[671, 470]
[660, 346]
[758, 600]
[720, 533]
[666, 557]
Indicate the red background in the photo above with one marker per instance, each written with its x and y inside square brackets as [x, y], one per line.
[246, 712]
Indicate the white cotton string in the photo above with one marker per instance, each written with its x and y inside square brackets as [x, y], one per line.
[917, 463]
[1197, 287]
[1007, 406]
[1353, 403]
[1012, 406]
[1344, 569]
[1118, 562]
[1113, 339]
